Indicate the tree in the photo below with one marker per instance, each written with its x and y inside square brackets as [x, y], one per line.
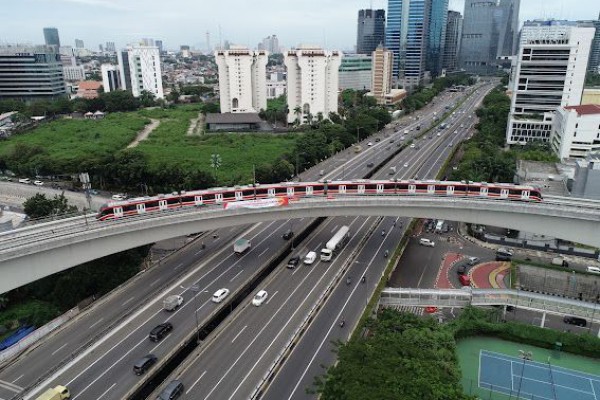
[119, 100]
[147, 99]
[39, 206]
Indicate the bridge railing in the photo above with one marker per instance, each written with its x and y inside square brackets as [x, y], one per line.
[489, 297]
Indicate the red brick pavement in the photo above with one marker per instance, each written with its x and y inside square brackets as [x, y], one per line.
[442, 281]
[480, 275]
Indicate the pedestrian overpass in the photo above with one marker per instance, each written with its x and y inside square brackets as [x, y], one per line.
[40, 250]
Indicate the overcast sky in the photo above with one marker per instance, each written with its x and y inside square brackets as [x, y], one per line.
[329, 23]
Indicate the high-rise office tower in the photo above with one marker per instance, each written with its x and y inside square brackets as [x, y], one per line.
[110, 47]
[79, 44]
[147, 42]
[437, 36]
[453, 37]
[111, 77]
[355, 72]
[594, 63]
[51, 38]
[371, 30]
[270, 44]
[490, 30]
[548, 72]
[406, 37]
[242, 79]
[159, 44]
[140, 70]
[100, 48]
[313, 83]
[31, 73]
[381, 84]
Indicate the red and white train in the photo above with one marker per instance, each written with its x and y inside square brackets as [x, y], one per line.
[298, 190]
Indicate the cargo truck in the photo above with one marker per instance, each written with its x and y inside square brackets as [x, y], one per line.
[336, 243]
[241, 245]
[56, 393]
[171, 303]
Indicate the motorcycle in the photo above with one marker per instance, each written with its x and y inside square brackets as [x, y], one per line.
[364, 279]
[386, 254]
[342, 323]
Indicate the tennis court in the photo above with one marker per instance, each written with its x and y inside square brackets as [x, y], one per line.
[526, 379]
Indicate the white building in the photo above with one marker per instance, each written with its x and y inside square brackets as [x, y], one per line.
[141, 70]
[576, 131]
[547, 73]
[74, 73]
[276, 85]
[242, 79]
[313, 84]
[111, 77]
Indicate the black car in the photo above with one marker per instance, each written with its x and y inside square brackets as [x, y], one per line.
[370, 164]
[288, 235]
[160, 331]
[144, 364]
[461, 270]
[293, 262]
[173, 391]
[575, 321]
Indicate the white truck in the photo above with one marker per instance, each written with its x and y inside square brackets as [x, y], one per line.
[172, 303]
[241, 245]
[56, 393]
[338, 241]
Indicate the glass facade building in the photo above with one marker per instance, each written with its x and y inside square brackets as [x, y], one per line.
[51, 37]
[437, 36]
[453, 36]
[371, 30]
[407, 37]
[490, 30]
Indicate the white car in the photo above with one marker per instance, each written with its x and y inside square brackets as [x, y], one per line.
[220, 295]
[426, 242]
[370, 144]
[310, 258]
[38, 183]
[24, 180]
[118, 197]
[412, 146]
[405, 165]
[260, 298]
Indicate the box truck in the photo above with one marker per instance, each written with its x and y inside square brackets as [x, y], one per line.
[338, 241]
[171, 303]
[56, 393]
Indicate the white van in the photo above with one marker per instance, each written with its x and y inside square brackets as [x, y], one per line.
[593, 270]
[426, 242]
[24, 180]
[310, 258]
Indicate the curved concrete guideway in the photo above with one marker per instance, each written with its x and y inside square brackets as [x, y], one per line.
[31, 253]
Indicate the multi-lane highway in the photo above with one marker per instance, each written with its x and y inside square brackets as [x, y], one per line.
[255, 336]
[104, 369]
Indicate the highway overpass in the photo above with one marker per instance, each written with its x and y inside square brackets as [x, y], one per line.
[32, 253]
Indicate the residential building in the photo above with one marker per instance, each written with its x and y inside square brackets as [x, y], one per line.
[110, 47]
[51, 38]
[159, 44]
[355, 72]
[242, 79]
[73, 73]
[185, 51]
[31, 73]
[313, 82]
[490, 30]
[590, 96]
[371, 30]
[270, 44]
[100, 48]
[407, 38]
[547, 73]
[576, 131]
[453, 41]
[586, 182]
[88, 89]
[79, 44]
[276, 85]
[111, 77]
[438, 18]
[147, 42]
[140, 70]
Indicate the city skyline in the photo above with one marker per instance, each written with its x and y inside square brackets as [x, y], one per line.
[324, 23]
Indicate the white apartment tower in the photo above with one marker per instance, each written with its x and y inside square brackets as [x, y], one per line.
[548, 72]
[111, 77]
[312, 75]
[242, 79]
[140, 70]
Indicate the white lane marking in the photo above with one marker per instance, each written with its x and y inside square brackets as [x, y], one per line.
[97, 322]
[155, 282]
[179, 266]
[10, 386]
[239, 333]
[334, 228]
[195, 382]
[57, 350]
[198, 252]
[236, 275]
[273, 295]
[107, 390]
[263, 252]
[18, 378]
[127, 301]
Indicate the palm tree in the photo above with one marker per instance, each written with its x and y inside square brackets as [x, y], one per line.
[298, 112]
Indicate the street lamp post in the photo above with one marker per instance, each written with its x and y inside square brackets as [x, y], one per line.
[195, 288]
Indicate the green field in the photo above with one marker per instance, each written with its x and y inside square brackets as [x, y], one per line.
[468, 355]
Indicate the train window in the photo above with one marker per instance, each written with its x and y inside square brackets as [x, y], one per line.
[151, 204]
[128, 208]
[402, 187]
[332, 188]
[460, 189]
[104, 211]
[208, 197]
[317, 189]
[370, 188]
[228, 196]
[280, 190]
[173, 201]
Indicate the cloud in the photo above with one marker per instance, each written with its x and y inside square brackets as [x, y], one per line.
[112, 4]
